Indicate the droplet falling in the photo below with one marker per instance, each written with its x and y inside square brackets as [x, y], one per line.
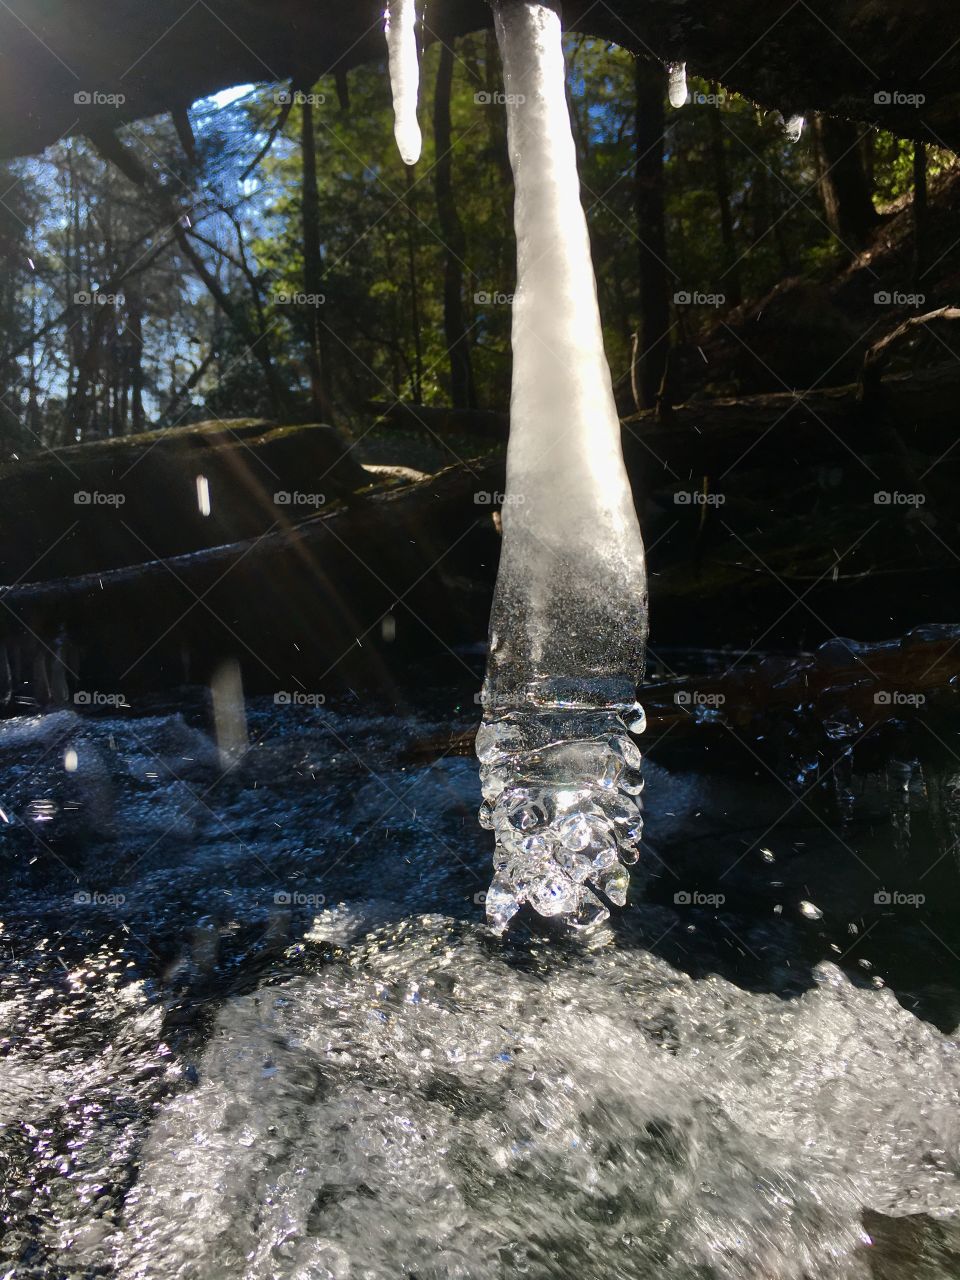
[400, 28]
[677, 83]
[203, 495]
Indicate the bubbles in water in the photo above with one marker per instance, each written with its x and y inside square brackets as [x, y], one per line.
[422, 1106]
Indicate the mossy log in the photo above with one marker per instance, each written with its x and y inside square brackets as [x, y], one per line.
[119, 502]
[299, 608]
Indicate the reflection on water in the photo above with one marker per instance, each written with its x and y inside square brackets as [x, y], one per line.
[253, 1025]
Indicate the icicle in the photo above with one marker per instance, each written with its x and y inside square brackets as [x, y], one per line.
[400, 27]
[677, 83]
[558, 768]
[793, 128]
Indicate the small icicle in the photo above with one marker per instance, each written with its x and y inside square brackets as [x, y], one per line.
[677, 83]
[400, 28]
[793, 128]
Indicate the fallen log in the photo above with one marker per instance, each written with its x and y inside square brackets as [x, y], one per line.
[444, 419]
[298, 607]
[119, 502]
[843, 691]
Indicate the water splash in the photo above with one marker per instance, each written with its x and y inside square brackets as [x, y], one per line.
[594, 1113]
[677, 83]
[400, 28]
[569, 615]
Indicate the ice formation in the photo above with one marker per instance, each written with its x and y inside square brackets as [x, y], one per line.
[793, 128]
[677, 83]
[558, 768]
[400, 27]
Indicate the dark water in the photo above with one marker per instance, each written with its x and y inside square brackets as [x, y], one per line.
[253, 1025]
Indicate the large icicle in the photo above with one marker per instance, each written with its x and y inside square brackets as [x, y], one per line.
[558, 768]
[400, 26]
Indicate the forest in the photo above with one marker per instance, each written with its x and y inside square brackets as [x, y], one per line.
[479, 640]
[265, 254]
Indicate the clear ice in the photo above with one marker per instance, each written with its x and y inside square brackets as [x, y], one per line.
[559, 771]
[793, 128]
[677, 83]
[400, 27]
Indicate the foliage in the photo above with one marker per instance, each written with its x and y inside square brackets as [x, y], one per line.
[211, 319]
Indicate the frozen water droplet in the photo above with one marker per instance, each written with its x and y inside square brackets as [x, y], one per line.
[636, 719]
[677, 83]
[627, 750]
[810, 910]
[576, 865]
[614, 883]
[591, 911]
[502, 904]
[554, 895]
[793, 128]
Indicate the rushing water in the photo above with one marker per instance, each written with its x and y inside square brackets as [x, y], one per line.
[292, 1050]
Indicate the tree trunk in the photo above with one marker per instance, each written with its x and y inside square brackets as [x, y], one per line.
[109, 145]
[135, 325]
[313, 263]
[919, 209]
[731, 274]
[650, 358]
[417, 378]
[844, 189]
[462, 394]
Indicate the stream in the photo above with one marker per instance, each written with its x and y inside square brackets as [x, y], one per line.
[255, 1027]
